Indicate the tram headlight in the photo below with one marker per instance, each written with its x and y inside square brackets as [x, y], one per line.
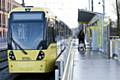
[11, 55]
[41, 55]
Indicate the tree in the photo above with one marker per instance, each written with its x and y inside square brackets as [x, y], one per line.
[118, 16]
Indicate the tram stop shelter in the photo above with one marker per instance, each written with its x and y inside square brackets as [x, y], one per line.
[86, 20]
[84, 16]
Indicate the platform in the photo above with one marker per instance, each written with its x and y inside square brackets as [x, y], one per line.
[94, 66]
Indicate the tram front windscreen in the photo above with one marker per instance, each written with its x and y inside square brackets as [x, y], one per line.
[27, 30]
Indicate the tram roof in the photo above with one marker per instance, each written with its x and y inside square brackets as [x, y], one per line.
[18, 9]
[85, 16]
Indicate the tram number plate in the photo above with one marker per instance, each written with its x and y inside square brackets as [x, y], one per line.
[26, 58]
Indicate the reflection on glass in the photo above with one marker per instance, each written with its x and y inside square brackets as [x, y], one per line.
[27, 34]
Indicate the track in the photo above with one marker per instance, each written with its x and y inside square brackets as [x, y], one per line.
[35, 76]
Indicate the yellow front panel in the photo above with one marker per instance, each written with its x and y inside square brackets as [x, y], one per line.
[51, 52]
[27, 66]
[27, 63]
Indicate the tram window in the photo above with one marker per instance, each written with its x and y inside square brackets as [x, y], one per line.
[26, 35]
[51, 35]
[27, 16]
[51, 32]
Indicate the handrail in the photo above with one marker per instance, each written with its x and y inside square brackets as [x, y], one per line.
[2, 60]
[115, 48]
[2, 50]
[3, 67]
[68, 71]
[63, 59]
[114, 37]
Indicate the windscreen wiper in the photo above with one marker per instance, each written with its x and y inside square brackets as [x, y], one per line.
[41, 45]
[17, 43]
[19, 46]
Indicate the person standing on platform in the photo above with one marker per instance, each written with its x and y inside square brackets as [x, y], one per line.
[81, 37]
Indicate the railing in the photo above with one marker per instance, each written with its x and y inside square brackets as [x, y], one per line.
[61, 61]
[3, 53]
[3, 43]
[4, 74]
[3, 59]
[114, 37]
[65, 62]
[68, 71]
[115, 48]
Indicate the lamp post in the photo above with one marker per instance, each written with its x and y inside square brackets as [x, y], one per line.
[92, 5]
[89, 4]
[103, 5]
[23, 3]
[103, 15]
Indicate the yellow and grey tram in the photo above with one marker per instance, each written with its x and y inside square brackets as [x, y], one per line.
[31, 40]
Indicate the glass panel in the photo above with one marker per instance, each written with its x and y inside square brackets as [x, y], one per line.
[27, 16]
[27, 35]
[3, 5]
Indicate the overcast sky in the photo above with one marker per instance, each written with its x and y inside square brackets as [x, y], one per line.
[67, 10]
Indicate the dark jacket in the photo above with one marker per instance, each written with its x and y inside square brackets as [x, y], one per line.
[81, 36]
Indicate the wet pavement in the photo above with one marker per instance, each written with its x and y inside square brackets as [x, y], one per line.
[94, 66]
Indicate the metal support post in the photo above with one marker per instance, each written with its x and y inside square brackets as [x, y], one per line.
[92, 5]
[103, 5]
[56, 74]
[23, 3]
[61, 68]
[89, 4]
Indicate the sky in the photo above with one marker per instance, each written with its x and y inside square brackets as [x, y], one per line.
[67, 10]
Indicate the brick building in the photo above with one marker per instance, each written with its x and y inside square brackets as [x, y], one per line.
[5, 7]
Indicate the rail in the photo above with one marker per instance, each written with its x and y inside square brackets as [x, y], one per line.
[65, 63]
[4, 74]
[3, 43]
[114, 37]
[60, 62]
[68, 71]
[3, 59]
[115, 48]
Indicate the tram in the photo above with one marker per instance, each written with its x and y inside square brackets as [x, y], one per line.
[32, 40]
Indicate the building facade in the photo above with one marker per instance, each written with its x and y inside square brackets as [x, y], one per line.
[5, 7]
